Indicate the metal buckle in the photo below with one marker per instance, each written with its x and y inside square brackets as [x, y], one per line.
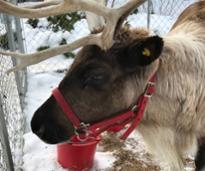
[84, 125]
[84, 128]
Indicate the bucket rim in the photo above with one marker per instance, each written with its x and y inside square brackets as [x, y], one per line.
[88, 143]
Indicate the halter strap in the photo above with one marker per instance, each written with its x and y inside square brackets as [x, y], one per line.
[115, 124]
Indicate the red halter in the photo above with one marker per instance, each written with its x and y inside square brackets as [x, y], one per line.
[114, 124]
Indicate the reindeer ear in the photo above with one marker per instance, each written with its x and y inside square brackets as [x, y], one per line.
[142, 52]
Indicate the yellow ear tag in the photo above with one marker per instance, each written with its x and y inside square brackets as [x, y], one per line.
[146, 52]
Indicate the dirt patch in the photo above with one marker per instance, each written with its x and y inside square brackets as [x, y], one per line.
[111, 142]
[131, 155]
[127, 160]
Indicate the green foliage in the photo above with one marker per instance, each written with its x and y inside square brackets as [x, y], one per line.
[64, 22]
[42, 48]
[135, 11]
[4, 41]
[63, 42]
[33, 22]
[67, 54]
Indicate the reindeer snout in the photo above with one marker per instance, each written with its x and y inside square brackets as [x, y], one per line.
[38, 126]
[38, 129]
[45, 129]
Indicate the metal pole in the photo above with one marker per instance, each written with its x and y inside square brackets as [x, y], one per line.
[23, 73]
[10, 35]
[19, 34]
[149, 3]
[4, 141]
[12, 47]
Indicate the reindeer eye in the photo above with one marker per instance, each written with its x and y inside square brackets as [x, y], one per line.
[96, 78]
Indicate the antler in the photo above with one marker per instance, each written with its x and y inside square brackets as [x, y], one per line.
[112, 17]
[95, 22]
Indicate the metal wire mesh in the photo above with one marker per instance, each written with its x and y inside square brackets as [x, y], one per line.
[43, 36]
[2, 159]
[12, 111]
[10, 105]
[157, 15]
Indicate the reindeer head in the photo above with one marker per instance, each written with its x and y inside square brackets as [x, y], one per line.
[100, 84]
[104, 80]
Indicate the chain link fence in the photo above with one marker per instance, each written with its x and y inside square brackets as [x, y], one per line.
[161, 14]
[12, 91]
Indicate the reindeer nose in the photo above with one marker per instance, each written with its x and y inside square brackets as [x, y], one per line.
[37, 126]
[40, 131]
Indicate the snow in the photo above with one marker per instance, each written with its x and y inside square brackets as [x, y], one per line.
[44, 36]
[39, 156]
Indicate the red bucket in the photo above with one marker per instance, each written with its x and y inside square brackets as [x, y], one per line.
[78, 156]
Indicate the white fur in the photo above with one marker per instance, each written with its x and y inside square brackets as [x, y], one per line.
[175, 116]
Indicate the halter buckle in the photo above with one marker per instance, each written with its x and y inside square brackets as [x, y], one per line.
[82, 129]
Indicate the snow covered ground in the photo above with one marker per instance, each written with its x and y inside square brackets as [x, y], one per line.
[39, 156]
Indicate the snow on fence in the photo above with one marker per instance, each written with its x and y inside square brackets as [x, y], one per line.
[12, 90]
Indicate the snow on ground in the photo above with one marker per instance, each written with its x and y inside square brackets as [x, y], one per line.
[44, 36]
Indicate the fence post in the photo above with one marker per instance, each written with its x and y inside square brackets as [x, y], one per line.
[22, 74]
[4, 141]
[149, 5]
[12, 47]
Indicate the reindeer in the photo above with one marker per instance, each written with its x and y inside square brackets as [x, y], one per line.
[112, 70]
